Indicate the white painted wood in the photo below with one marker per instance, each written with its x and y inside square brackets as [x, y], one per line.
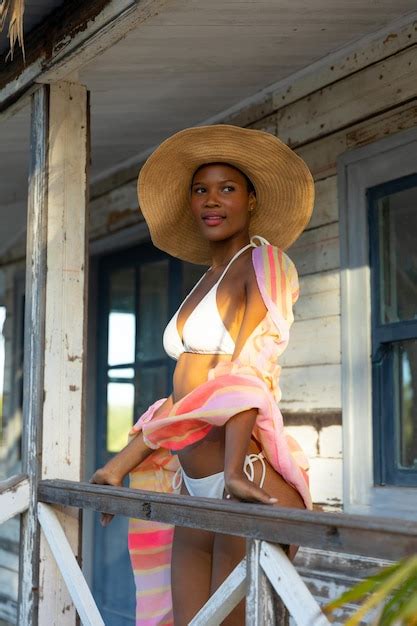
[14, 500]
[296, 83]
[326, 210]
[360, 169]
[224, 600]
[311, 387]
[290, 587]
[68, 567]
[115, 20]
[374, 47]
[316, 250]
[321, 154]
[313, 342]
[260, 607]
[65, 320]
[114, 211]
[376, 88]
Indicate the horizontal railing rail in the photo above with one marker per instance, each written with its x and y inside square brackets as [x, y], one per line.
[264, 572]
[339, 532]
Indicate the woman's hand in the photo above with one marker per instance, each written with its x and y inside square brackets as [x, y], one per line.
[239, 487]
[104, 476]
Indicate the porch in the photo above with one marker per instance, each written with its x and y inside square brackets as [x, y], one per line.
[81, 117]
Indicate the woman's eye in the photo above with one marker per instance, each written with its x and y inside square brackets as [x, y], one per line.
[228, 188]
[199, 190]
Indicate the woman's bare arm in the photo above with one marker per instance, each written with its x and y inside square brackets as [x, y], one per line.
[239, 427]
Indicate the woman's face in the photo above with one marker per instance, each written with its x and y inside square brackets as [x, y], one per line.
[220, 201]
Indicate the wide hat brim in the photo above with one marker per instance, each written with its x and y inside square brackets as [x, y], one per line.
[283, 183]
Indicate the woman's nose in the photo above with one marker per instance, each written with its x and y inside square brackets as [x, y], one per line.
[212, 199]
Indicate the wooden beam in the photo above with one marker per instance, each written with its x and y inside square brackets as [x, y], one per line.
[34, 349]
[288, 584]
[352, 534]
[68, 39]
[65, 324]
[14, 497]
[68, 567]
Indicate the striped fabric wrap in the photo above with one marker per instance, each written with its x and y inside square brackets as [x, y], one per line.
[250, 381]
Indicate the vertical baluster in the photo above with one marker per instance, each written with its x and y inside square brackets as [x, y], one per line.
[260, 603]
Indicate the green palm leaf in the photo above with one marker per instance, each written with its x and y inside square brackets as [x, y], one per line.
[361, 589]
[398, 602]
[397, 584]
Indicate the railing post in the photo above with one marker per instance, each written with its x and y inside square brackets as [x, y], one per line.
[260, 604]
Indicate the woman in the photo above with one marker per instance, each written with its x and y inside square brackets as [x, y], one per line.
[211, 195]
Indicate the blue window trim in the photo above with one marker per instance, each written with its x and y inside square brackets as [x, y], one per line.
[384, 336]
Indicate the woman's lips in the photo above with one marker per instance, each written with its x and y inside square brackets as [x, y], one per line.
[213, 220]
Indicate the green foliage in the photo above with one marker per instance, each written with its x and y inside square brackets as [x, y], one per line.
[393, 590]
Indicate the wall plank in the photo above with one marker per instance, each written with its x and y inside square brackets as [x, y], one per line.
[321, 154]
[113, 211]
[355, 61]
[313, 342]
[311, 387]
[373, 90]
[316, 250]
[325, 204]
[319, 296]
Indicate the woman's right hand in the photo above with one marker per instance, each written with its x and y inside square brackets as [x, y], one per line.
[103, 476]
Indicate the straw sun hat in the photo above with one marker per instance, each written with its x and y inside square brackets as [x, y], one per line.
[283, 183]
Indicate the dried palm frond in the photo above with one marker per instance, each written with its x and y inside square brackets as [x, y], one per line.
[15, 8]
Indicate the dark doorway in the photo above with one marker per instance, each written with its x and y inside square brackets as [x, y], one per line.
[139, 290]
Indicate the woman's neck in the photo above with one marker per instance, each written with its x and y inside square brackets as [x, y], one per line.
[223, 251]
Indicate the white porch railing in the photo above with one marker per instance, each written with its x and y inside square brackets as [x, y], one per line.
[266, 576]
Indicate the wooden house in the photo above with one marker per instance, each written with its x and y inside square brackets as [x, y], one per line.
[85, 296]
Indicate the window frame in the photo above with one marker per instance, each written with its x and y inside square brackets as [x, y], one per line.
[358, 170]
[384, 338]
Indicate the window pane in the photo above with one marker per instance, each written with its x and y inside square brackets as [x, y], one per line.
[153, 309]
[120, 398]
[122, 372]
[405, 369]
[191, 274]
[398, 254]
[152, 386]
[121, 348]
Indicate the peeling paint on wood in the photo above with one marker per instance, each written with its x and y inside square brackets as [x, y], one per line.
[63, 408]
[376, 89]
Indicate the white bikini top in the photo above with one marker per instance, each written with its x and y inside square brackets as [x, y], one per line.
[204, 331]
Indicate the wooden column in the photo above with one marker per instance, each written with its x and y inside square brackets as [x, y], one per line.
[63, 122]
[34, 343]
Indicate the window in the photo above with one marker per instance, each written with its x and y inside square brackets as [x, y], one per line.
[392, 210]
[140, 288]
[378, 227]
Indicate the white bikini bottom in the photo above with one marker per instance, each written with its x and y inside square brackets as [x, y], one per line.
[213, 486]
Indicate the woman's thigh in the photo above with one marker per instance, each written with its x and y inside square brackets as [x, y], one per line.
[191, 571]
[228, 551]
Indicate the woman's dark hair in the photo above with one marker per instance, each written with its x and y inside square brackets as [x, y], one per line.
[249, 183]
